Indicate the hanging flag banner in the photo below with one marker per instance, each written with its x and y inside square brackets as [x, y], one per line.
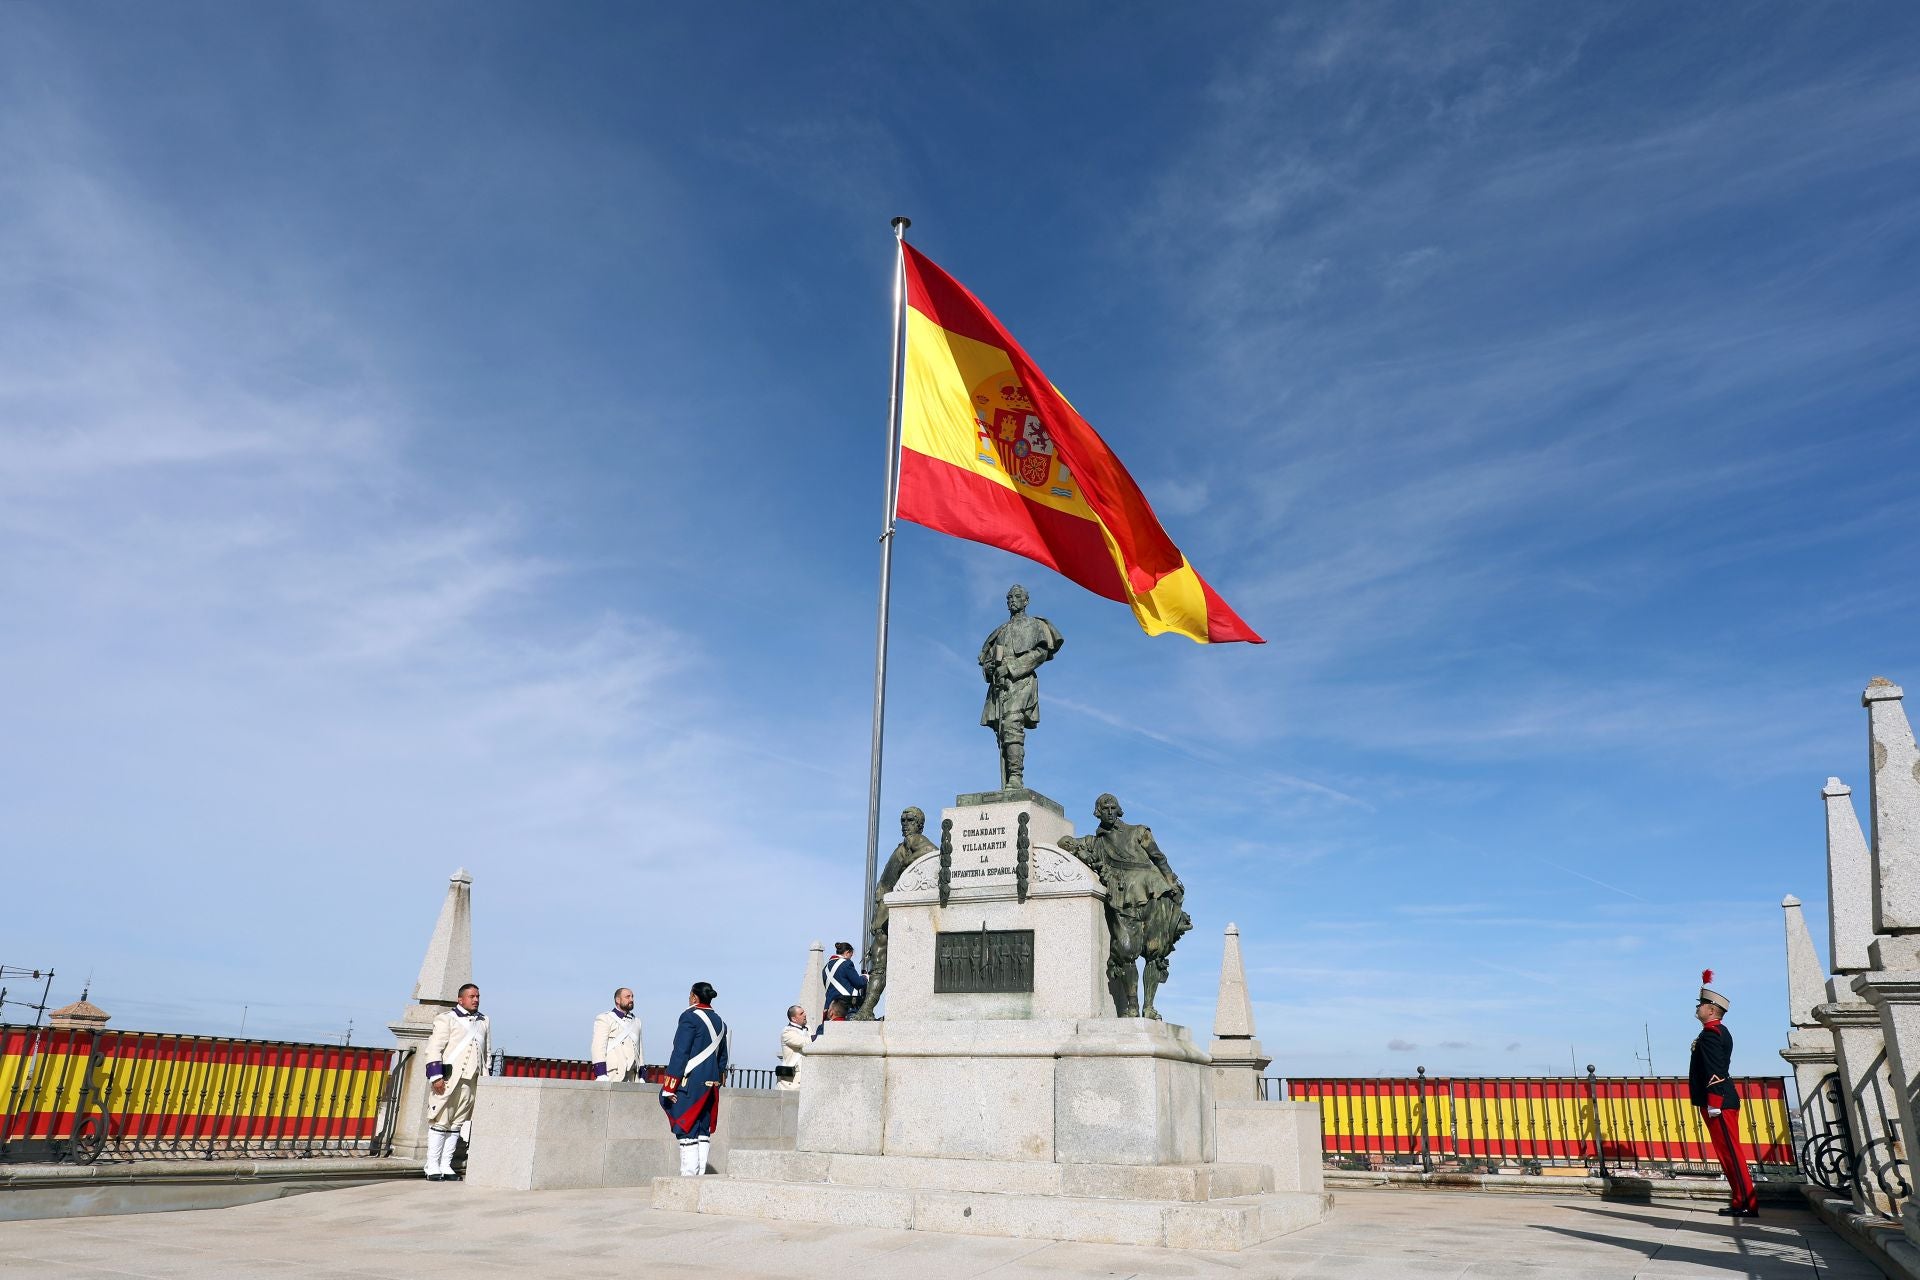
[992, 452]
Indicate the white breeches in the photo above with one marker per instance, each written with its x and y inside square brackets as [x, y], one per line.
[453, 1108]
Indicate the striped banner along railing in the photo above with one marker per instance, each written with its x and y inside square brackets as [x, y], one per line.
[1544, 1120]
[133, 1094]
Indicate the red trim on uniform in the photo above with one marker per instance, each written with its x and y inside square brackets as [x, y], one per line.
[708, 1098]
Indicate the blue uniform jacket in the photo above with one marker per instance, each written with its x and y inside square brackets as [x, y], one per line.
[844, 981]
[697, 1069]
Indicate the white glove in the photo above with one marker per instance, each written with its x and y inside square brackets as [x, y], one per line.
[1713, 1111]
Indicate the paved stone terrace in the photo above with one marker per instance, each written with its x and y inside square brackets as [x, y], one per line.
[420, 1230]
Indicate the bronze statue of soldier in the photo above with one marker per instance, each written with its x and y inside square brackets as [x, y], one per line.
[1009, 660]
[1145, 915]
[913, 846]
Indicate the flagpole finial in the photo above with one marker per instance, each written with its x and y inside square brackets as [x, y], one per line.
[900, 225]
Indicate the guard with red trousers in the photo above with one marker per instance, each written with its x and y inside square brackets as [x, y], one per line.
[1710, 1086]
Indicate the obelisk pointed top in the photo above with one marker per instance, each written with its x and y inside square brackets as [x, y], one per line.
[1849, 884]
[449, 961]
[813, 987]
[1233, 1013]
[1804, 986]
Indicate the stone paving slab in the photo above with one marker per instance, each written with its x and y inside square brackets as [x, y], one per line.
[421, 1230]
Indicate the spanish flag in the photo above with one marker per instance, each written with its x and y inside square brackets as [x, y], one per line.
[992, 452]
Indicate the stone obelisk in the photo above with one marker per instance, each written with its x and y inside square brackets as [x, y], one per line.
[1237, 1056]
[447, 966]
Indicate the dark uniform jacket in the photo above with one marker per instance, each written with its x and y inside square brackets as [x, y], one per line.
[1710, 1071]
[844, 981]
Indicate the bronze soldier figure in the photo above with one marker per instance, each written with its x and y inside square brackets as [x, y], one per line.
[1144, 904]
[1009, 660]
[913, 846]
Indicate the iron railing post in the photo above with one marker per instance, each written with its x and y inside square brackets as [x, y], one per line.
[1599, 1135]
[1426, 1154]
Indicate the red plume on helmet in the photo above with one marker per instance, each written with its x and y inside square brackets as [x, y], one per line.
[1708, 995]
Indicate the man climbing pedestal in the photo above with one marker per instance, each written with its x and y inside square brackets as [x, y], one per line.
[842, 977]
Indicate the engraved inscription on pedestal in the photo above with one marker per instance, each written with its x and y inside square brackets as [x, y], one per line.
[983, 961]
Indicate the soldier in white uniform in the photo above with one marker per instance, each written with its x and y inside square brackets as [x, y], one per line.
[793, 1043]
[616, 1053]
[456, 1059]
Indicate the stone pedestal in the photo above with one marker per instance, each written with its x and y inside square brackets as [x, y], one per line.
[1809, 1045]
[1065, 909]
[1000, 1095]
[1895, 997]
[1892, 985]
[410, 1099]
[1104, 1091]
[1866, 1096]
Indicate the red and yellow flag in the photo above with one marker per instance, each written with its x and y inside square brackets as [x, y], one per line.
[992, 452]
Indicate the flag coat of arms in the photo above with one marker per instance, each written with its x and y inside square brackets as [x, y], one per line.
[992, 452]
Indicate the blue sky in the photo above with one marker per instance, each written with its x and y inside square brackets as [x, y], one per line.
[452, 436]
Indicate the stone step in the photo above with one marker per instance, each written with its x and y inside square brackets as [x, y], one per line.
[1178, 1182]
[1228, 1224]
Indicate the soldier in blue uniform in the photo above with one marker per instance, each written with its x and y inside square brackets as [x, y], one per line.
[843, 978]
[690, 1093]
[1710, 1088]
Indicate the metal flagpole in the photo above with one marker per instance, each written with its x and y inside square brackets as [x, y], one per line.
[900, 226]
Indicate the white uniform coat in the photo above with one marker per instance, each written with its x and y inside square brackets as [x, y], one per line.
[461, 1046]
[616, 1042]
[793, 1044]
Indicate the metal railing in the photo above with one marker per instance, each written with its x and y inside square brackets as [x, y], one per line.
[1520, 1124]
[507, 1064]
[80, 1096]
[750, 1077]
[1874, 1174]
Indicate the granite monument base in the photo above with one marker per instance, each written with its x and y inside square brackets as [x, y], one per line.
[1101, 1130]
[1213, 1206]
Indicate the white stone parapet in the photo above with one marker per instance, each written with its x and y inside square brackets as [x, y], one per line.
[538, 1135]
